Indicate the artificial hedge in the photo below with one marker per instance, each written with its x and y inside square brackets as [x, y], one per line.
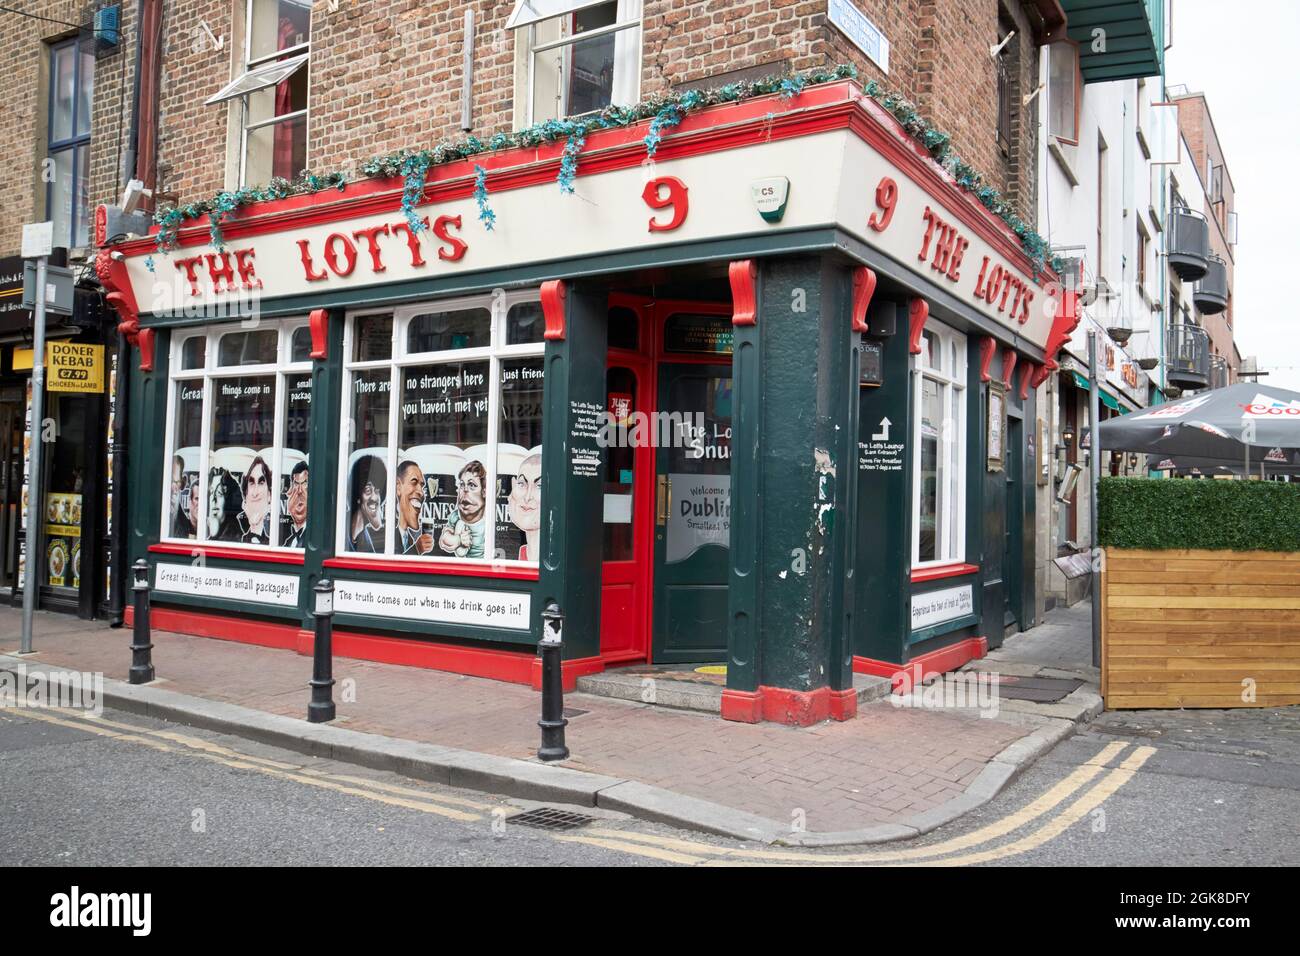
[1155, 514]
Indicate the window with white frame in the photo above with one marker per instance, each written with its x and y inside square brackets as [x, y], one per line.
[575, 56]
[271, 90]
[442, 430]
[238, 429]
[72, 91]
[939, 430]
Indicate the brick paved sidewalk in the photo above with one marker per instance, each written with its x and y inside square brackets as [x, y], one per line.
[886, 765]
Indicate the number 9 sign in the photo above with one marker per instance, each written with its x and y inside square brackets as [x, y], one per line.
[886, 200]
[666, 192]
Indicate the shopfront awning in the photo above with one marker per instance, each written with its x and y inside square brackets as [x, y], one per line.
[1107, 399]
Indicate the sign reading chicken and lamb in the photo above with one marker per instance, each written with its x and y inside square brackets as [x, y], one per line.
[835, 178]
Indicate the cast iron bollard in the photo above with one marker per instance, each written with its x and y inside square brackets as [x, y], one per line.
[553, 722]
[141, 647]
[321, 707]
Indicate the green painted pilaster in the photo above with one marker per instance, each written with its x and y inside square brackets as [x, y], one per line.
[572, 470]
[744, 649]
[326, 409]
[787, 477]
[148, 417]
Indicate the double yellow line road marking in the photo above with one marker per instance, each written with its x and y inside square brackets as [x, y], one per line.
[952, 852]
[946, 853]
[451, 807]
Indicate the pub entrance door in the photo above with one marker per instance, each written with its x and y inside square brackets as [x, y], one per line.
[667, 507]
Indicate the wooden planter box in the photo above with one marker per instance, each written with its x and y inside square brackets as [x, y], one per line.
[1190, 628]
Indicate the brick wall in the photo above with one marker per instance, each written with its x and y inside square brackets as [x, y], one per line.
[385, 74]
[24, 51]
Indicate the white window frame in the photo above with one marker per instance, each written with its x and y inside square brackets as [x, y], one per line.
[256, 75]
[283, 369]
[523, 21]
[951, 377]
[498, 303]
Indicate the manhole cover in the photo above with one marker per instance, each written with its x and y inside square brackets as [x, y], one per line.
[1041, 690]
[548, 818]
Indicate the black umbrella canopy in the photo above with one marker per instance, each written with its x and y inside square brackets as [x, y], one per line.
[1276, 461]
[1243, 422]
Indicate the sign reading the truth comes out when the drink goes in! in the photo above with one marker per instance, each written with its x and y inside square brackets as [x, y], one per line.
[866, 178]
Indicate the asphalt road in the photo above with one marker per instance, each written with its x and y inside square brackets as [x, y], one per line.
[1169, 789]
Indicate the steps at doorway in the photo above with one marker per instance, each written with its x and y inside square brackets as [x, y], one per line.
[679, 693]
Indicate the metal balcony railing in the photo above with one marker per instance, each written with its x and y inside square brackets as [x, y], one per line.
[1187, 356]
[1218, 372]
[1211, 294]
[1189, 243]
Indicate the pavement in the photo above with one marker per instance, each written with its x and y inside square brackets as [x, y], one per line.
[892, 773]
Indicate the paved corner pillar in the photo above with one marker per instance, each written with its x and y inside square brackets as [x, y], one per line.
[794, 430]
[572, 467]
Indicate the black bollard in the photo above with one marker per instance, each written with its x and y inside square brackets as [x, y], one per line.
[141, 647]
[553, 721]
[321, 707]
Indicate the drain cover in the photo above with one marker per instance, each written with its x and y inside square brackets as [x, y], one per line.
[1041, 690]
[549, 818]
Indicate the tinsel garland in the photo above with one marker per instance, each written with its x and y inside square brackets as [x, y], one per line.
[485, 213]
[569, 162]
[664, 111]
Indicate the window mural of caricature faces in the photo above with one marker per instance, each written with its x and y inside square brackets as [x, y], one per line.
[519, 460]
[240, 482]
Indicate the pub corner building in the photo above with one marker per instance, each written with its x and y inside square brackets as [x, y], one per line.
[765, 400]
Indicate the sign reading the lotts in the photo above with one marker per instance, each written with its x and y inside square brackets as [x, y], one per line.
[253, 586]
[864, 179]
[935, 607]
[439, 605]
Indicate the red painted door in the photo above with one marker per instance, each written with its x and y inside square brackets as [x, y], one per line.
[628, 487]
[645, 337]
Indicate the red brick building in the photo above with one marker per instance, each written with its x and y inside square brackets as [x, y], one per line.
[766, 227]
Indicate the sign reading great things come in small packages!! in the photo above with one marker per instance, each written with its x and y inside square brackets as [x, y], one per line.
[253, 586]
[73, 367]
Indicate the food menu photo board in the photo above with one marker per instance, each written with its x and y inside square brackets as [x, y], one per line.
[63, 540]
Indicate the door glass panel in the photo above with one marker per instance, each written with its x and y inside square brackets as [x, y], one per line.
[624, 328]
[620, 401]
[698, 463]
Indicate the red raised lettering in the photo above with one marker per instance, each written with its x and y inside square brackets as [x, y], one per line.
[308, 267]
[676, 198]
[886, 200]
[332, 256]
[188, 265]
[371, 236]
[244, 263]
[458, 245]
[222, 275]
[932, 219]
[412, 240]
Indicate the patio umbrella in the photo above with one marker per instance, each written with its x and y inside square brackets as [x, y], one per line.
[1276, 461]
[1240, 424]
